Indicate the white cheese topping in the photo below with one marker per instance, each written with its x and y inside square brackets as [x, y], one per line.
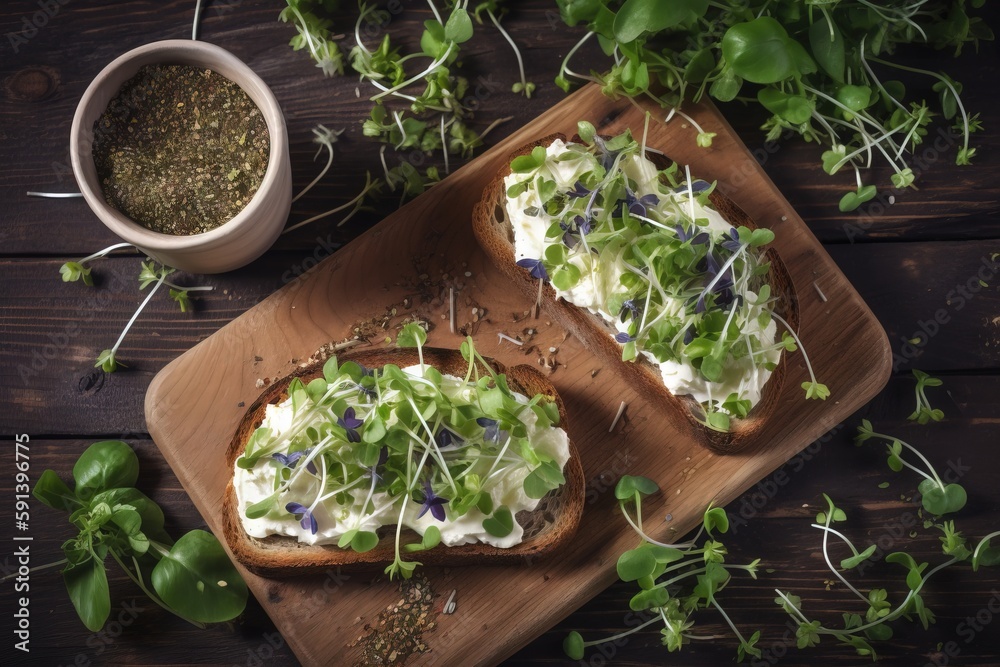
[505, 488]
[601, 280]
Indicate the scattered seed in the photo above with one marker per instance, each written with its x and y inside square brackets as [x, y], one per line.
[621, 411]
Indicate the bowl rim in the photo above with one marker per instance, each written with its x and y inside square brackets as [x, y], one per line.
[211, 55]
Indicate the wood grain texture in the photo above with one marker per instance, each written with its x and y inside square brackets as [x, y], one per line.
[188, 416]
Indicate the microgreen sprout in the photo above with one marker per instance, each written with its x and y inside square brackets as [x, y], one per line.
[371, 187]
[326, 138]
[675, 580]
[78, 270]
[936, 497]
[314, 34]
[424, 451]
[924, 413]
[523, 86]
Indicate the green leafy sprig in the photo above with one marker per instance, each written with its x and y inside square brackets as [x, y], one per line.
[675, 580]
[937, 497]
[191, 578]
[811, 66]
[924, 412]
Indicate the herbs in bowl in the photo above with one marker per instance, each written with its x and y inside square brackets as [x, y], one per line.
[648, 264]
[180, 149]
[369, 459]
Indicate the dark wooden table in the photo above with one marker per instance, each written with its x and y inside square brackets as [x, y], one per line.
[910, 260]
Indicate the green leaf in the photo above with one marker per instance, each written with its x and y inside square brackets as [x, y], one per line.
[727, 86]
[715, 518]
[573, 646]
[854, 561]
[648, 599]
[105, 465]
[637, 17]
[853, 97]
[636, 564]
[458, 29]
[937, 500]
[985, 555]
[500, 524]
[761, 51]
[411, 335]
[197, 580]
[52, 491]
[363, 541]
[566, 276]
[629, 485]
[828, 51]
[795, 109]
[87, 584]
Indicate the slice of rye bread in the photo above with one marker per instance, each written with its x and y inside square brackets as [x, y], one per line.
[550, 526]
[493, 229]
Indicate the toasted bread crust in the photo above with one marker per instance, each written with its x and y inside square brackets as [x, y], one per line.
[547, 528]
[496, 236]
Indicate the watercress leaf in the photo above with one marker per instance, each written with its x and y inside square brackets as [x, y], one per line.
[52, 491]
[586, 130]
[637, 17]
[105, 465]
[566, 276]
[761, 51]
[149, 511]
[630, 485]
[635, 564]
[727, 86]
[485, 503]
[127, 519]
[573, 646]
[500, 524]
[854, 97]
[139, 543]
[364, 540]
[87, 584]
[521, 165]
[827, 44]
[458, 29]
[795, 109]
[345, 539]
[718, 421]
[197, 580]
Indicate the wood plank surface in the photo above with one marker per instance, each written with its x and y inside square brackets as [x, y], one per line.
[189, 413]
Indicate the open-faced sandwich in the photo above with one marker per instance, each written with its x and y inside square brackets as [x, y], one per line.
[390, 457]
[649, 266]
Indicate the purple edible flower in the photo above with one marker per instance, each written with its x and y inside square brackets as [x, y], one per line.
[697, 186]
[689, 335]
[432, 502]
[696, 239]
[535, 267]
[350, 424]
[291, 460]
[624, 338]
[636, 205]
[304, 515]
[629, 306]
[732, 242]
[579, 191]
[492, 428]
[446, 438]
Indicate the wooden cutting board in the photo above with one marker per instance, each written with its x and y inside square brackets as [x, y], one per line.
[403, 267]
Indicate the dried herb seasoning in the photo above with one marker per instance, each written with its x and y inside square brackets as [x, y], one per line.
[180, 149]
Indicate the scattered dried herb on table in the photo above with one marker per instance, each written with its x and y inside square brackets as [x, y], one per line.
[180, 149]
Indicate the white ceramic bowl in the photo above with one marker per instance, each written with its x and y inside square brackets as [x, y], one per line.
[236, 242]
